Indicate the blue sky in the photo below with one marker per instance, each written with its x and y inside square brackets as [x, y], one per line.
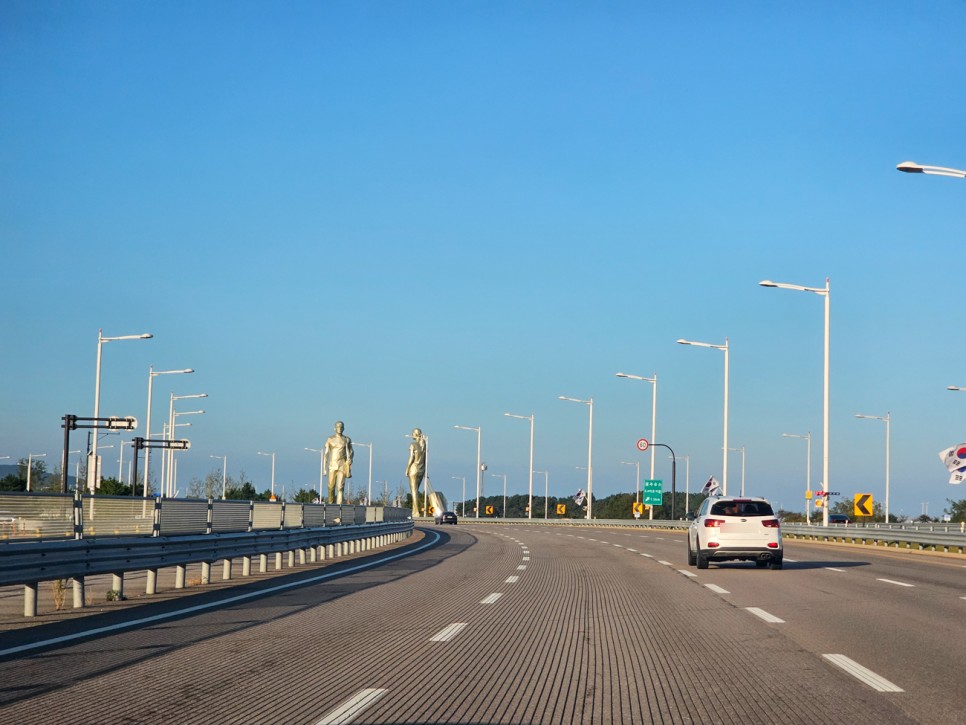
[431, 213]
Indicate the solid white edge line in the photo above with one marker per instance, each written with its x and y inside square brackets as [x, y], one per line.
[765, 615]
[213, 605]
[447, 633]
[876, 682]
[893, 581]
[351, 708]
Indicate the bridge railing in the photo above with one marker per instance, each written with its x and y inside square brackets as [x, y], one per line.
[43, 516]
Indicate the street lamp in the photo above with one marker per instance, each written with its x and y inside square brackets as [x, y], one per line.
[224, 474]
[808, 473]
[911, 167]
[463, 479]
[93, 476]
[653, 381]
[503, 476]
[546, 492]
[954, 387]
[530, 418]
[147, 435]
[824, 292]
[369, 446]
[321, 452]
[887, 419]
[169, 489]
[30, 461]
[637, 490]
[590, 451]
[736, 450]
[272, 454]
[724, 445]
[479, 469]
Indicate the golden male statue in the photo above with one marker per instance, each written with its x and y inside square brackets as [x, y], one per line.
[337, 462]
[416, 467]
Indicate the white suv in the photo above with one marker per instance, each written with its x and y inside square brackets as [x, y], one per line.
[728, 528]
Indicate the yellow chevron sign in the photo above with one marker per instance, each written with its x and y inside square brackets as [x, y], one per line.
[862, 505]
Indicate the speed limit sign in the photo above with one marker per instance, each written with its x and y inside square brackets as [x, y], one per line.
[642, 444]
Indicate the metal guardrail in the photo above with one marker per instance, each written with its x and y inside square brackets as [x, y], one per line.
[939, 537]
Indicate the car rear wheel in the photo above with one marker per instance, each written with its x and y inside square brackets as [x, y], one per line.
[776, 564]
[702, 560]
[692, 559]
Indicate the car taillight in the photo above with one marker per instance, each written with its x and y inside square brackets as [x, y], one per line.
[713, 523]
[770, 523]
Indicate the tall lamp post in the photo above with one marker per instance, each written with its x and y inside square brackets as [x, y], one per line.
[321, 452]
[503, 476]
[479, 469]
[590, 451]
[742, 451]
[463, 479]
[530, 418]
[152, 374]
[272, 454]
[637, 489]
[808, 473]
[171, 415]
[887, 419]
[653, 382]
[369, 494]
[30, 463]
[546, 492]
[824, 292]
[93, 476]
[724, 445]
[911, 167]
[224, 474]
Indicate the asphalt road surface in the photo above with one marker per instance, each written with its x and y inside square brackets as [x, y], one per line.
[480, 623]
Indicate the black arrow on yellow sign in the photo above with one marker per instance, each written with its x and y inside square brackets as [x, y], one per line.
[862, 506]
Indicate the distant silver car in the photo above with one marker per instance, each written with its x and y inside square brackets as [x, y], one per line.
[729, 528]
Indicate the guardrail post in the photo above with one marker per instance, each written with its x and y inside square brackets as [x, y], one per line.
[262, 563]
[278, 561]
[179, 576]
[291, 559]
[226, 572]
[30, 599]
[206, 572]
[117, 585]
[79, 594]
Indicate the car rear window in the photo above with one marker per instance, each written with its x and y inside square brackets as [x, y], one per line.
[744, 508]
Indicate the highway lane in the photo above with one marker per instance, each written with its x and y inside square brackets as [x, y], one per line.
[491, 624]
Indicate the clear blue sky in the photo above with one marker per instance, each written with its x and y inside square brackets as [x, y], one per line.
[431, 213]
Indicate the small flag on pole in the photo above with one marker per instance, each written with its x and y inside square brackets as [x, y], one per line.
[710, 488]
[954, 458]
[579, 498]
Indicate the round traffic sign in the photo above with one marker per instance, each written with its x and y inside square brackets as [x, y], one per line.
[642, 444]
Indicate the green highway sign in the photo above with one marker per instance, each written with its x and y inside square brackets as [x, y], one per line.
[653, 492]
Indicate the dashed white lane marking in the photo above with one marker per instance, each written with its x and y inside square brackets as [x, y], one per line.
[666, 563]
[445, 635]
[526, 558]
[876, 682]
[630, 549]
[648, 556]
[492, 598]
[521, 567]
[833, 568]
[794, 561]
[353, 707]
[512, 579]
[688, 573]
[619, 546]
[893, 581]
[765, 615]
[716, 589]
